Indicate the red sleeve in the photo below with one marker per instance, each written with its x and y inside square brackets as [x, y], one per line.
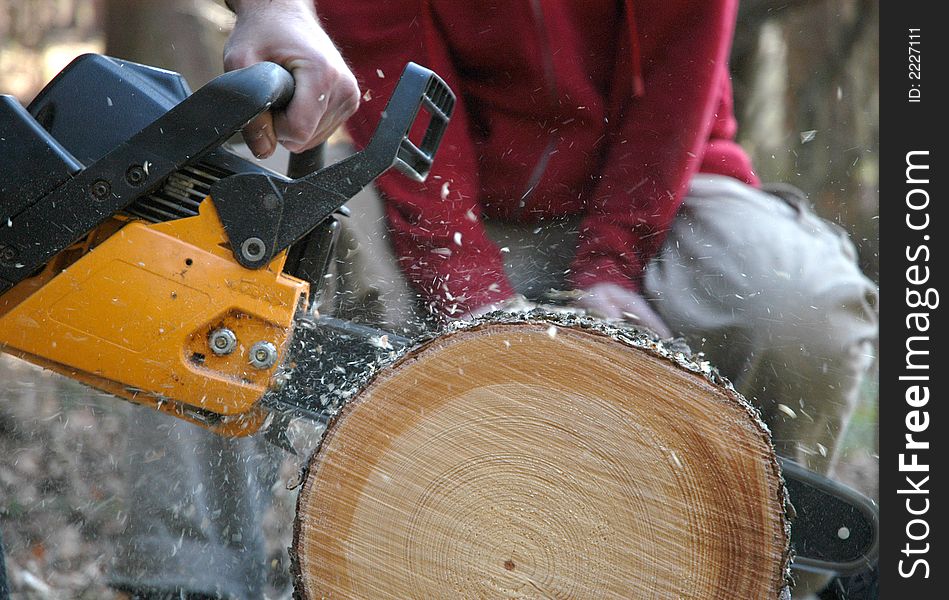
[436, 226]
[660, 141]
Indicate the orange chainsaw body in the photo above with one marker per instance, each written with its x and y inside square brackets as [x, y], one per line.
[132, 315]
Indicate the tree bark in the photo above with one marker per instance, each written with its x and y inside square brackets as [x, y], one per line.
[547, 459]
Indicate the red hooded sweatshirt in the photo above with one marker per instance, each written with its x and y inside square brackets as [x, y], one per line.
[600, 108]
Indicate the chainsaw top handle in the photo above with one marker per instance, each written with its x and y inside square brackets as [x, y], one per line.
[264, 215]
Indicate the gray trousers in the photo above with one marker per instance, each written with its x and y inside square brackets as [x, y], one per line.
[773, 295]
[767, 290]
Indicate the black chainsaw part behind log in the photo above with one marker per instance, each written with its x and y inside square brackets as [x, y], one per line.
[137, 166]
[264, 215]
[835, 529]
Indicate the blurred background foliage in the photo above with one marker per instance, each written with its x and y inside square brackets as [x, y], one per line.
[806, 91]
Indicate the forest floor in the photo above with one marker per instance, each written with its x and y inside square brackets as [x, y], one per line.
[62, 487]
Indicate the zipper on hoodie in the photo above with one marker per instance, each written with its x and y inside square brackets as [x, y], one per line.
[550, 76]
[553, 93]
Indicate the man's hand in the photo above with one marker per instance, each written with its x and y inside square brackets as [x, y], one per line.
[287, 32]
[612, 301]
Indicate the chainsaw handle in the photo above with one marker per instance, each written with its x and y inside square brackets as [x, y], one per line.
[264, 215]
[265, 85]
[268, 82]
[419, 93]
[303, 163]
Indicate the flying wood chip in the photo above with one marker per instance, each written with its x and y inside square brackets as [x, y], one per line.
[499, 461]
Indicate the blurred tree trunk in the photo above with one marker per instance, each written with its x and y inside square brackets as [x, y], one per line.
[39, 37]
[806, 88]
[186, 36]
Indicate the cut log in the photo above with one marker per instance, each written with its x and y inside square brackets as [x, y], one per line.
[531, 460]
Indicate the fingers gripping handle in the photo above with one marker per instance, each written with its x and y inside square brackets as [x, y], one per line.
[275, 213]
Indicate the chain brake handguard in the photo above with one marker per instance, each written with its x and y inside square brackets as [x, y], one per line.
[264, 215]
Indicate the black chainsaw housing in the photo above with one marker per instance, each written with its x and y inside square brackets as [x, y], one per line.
[123, 157]
[97, 102]
[91, 107]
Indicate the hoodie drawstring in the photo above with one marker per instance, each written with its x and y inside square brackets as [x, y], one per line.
[639, 88]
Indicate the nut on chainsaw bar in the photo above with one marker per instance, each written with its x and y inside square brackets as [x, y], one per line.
[222, 341]
[100, 189]
[136, 175]
[253, 249]
[263, 355]
[8, 255]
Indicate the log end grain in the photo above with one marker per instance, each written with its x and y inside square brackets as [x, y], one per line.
[531, 461]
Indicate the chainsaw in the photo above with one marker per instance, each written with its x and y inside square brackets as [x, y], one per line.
[142, 256]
